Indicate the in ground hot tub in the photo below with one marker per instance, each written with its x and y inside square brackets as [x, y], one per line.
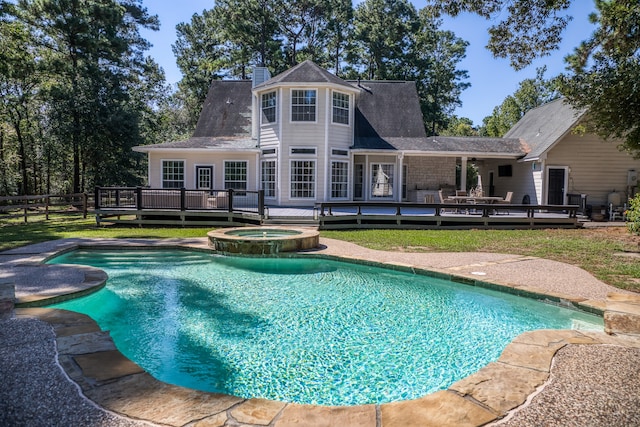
[263, 240]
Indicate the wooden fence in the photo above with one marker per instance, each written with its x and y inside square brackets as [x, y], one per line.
[47, 204]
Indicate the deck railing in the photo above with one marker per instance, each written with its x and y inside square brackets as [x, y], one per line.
[326, 208]
[179, 199]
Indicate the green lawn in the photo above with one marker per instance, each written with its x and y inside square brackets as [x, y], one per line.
[610, 254]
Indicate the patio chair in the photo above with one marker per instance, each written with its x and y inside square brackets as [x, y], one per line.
[506, 201]
[444, 199]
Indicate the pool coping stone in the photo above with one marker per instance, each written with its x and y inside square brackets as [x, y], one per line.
[89, 357]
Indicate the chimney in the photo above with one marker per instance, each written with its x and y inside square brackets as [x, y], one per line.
[260, 75]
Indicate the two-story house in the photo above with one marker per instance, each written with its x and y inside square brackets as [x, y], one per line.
[306, 136]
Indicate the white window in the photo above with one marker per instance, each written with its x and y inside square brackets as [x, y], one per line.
[303, 150]
[303, 105]
[339, 152]
[339, 179]
[381, 180]
[172, 173]
[269, 107]
[269, 178]
[235, 175]
[303, 179]
[340, 108]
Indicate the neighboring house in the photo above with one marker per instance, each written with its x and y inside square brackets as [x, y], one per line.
[306, 136]
[562, 164]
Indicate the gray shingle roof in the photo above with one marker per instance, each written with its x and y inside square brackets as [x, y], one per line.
[503, 147]
[226, 110]
[305, 72]
[543, 126]
[242, 143]
[388, 109]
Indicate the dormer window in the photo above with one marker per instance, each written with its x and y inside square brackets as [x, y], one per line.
[340, 108]
[303, 105]
[269, 107]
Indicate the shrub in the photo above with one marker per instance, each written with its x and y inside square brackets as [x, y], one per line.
[633, 215]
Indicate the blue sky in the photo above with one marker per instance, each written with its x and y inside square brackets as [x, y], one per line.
[491, 79]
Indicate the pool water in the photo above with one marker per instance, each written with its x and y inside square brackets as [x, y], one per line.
[262, 233]
[310, 331]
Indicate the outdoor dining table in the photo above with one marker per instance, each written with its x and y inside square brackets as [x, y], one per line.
[489, 200]
[477, 199]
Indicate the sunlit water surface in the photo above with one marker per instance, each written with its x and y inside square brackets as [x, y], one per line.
[303, 330]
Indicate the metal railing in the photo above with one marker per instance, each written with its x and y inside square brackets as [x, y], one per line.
[181, 199]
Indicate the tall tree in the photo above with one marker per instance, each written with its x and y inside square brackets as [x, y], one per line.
[383, 33]
[605, 71]
[525, 29]
[19, 83]
[434, 60]
[531, 93]
[199, 54]
[94, 49]
[251, 34]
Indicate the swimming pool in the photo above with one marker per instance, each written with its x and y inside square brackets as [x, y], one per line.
[302, 330]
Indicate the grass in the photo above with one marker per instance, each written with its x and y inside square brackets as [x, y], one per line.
[610, 254]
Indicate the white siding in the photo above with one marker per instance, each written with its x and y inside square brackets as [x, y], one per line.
[192, 159]
[523, 180]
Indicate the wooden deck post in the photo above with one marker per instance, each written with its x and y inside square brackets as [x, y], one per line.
[261, 203]
[230, 192]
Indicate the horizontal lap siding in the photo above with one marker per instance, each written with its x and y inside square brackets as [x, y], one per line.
[269, 135]
[596, 168]
[523, 181]
[202, 159]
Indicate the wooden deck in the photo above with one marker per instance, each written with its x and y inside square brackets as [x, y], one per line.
[226, 208]
[334, 216]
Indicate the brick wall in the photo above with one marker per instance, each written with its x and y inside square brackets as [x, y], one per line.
[430, 173]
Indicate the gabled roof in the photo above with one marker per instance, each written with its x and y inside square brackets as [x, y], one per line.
[542, 127]
[305, 72]
[388, 117]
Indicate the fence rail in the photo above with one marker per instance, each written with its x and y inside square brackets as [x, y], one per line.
[44, 203]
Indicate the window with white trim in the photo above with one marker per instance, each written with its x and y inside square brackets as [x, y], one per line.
[303, 179]
[172, 173]
[269, 178]
[339, 152]
[339, 179]
[235, 175]
[340, 108]
[269, 107]
[303, 105]
[381, 180]
[303, 150]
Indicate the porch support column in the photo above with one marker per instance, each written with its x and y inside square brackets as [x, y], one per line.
[400, 175]
[463, 173]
